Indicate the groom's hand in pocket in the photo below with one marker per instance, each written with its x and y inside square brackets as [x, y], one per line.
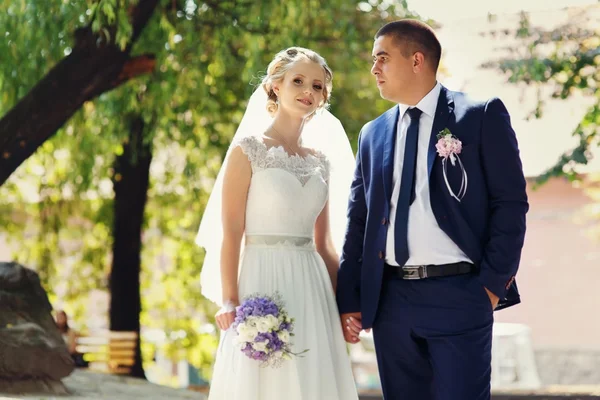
[351, 326]
[493, 298]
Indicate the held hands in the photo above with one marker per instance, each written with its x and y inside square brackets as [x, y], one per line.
[351, 326]
[226, 315]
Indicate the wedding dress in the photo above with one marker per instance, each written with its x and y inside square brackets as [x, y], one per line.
[285, 197]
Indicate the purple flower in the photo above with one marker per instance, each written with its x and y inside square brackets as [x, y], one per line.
[272, 350]
[285, 326]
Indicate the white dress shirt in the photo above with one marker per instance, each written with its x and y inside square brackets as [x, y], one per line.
[427, 243]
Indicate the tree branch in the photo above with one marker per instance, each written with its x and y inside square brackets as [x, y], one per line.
[136, 66]
[81, 76]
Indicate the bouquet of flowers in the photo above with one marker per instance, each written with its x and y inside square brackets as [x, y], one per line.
[264, 330]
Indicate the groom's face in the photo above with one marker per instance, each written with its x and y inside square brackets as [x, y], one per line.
[393, 72]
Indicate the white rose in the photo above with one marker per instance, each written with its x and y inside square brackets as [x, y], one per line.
[251, 321]
[263, 325]
[273, 321]
[284, 336]
[252, 333]
[260, 346]
[241, 328]
[240, 339]
[247, 333]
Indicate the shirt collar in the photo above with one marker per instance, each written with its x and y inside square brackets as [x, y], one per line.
[428, 104]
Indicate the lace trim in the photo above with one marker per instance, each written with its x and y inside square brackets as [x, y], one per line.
[261, 157]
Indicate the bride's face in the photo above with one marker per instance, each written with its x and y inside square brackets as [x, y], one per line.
[301, 91]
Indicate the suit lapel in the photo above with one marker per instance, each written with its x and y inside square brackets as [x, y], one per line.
[389, 145]
[445, 108]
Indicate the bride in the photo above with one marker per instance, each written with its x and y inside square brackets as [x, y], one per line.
[272, 224]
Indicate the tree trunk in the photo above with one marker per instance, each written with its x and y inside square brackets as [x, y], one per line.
[131, 181]
[87, 72]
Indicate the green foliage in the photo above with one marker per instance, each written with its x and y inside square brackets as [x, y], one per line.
[567, 59]
[105, 15]
[57, 207]
[35, 36]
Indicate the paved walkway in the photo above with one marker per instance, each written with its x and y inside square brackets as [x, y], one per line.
[89, 385]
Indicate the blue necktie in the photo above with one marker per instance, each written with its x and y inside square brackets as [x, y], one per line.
[407, 187]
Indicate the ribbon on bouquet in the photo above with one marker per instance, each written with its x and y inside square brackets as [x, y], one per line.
[464, 179]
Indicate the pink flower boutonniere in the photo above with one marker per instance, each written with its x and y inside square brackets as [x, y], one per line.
[449, 147]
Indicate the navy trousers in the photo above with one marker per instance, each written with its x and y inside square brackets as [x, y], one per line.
[433, 339]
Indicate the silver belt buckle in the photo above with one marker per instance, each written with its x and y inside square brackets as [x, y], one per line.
[415, 272]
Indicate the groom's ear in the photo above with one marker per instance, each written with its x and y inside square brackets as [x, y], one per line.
[418, 60]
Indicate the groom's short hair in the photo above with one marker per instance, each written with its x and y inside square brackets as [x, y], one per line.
[414, 36]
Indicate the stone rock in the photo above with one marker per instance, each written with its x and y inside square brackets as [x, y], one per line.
[33, 354]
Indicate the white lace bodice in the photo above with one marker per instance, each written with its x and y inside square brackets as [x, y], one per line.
[287, 192]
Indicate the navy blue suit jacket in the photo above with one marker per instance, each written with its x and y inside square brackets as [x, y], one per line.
[488, 225]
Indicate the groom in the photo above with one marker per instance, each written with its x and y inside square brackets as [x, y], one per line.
[420, 267]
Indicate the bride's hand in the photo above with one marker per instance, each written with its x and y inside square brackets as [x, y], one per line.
[351, 326]
[225, 315]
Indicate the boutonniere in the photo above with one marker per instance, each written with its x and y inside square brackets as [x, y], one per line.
[449, 147]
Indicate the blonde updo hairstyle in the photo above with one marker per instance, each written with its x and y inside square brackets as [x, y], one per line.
[282, 63]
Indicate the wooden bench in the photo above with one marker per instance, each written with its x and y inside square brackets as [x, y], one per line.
[108, 351]
[199, 388]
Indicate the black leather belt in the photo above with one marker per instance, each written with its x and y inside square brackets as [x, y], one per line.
[430, 271]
